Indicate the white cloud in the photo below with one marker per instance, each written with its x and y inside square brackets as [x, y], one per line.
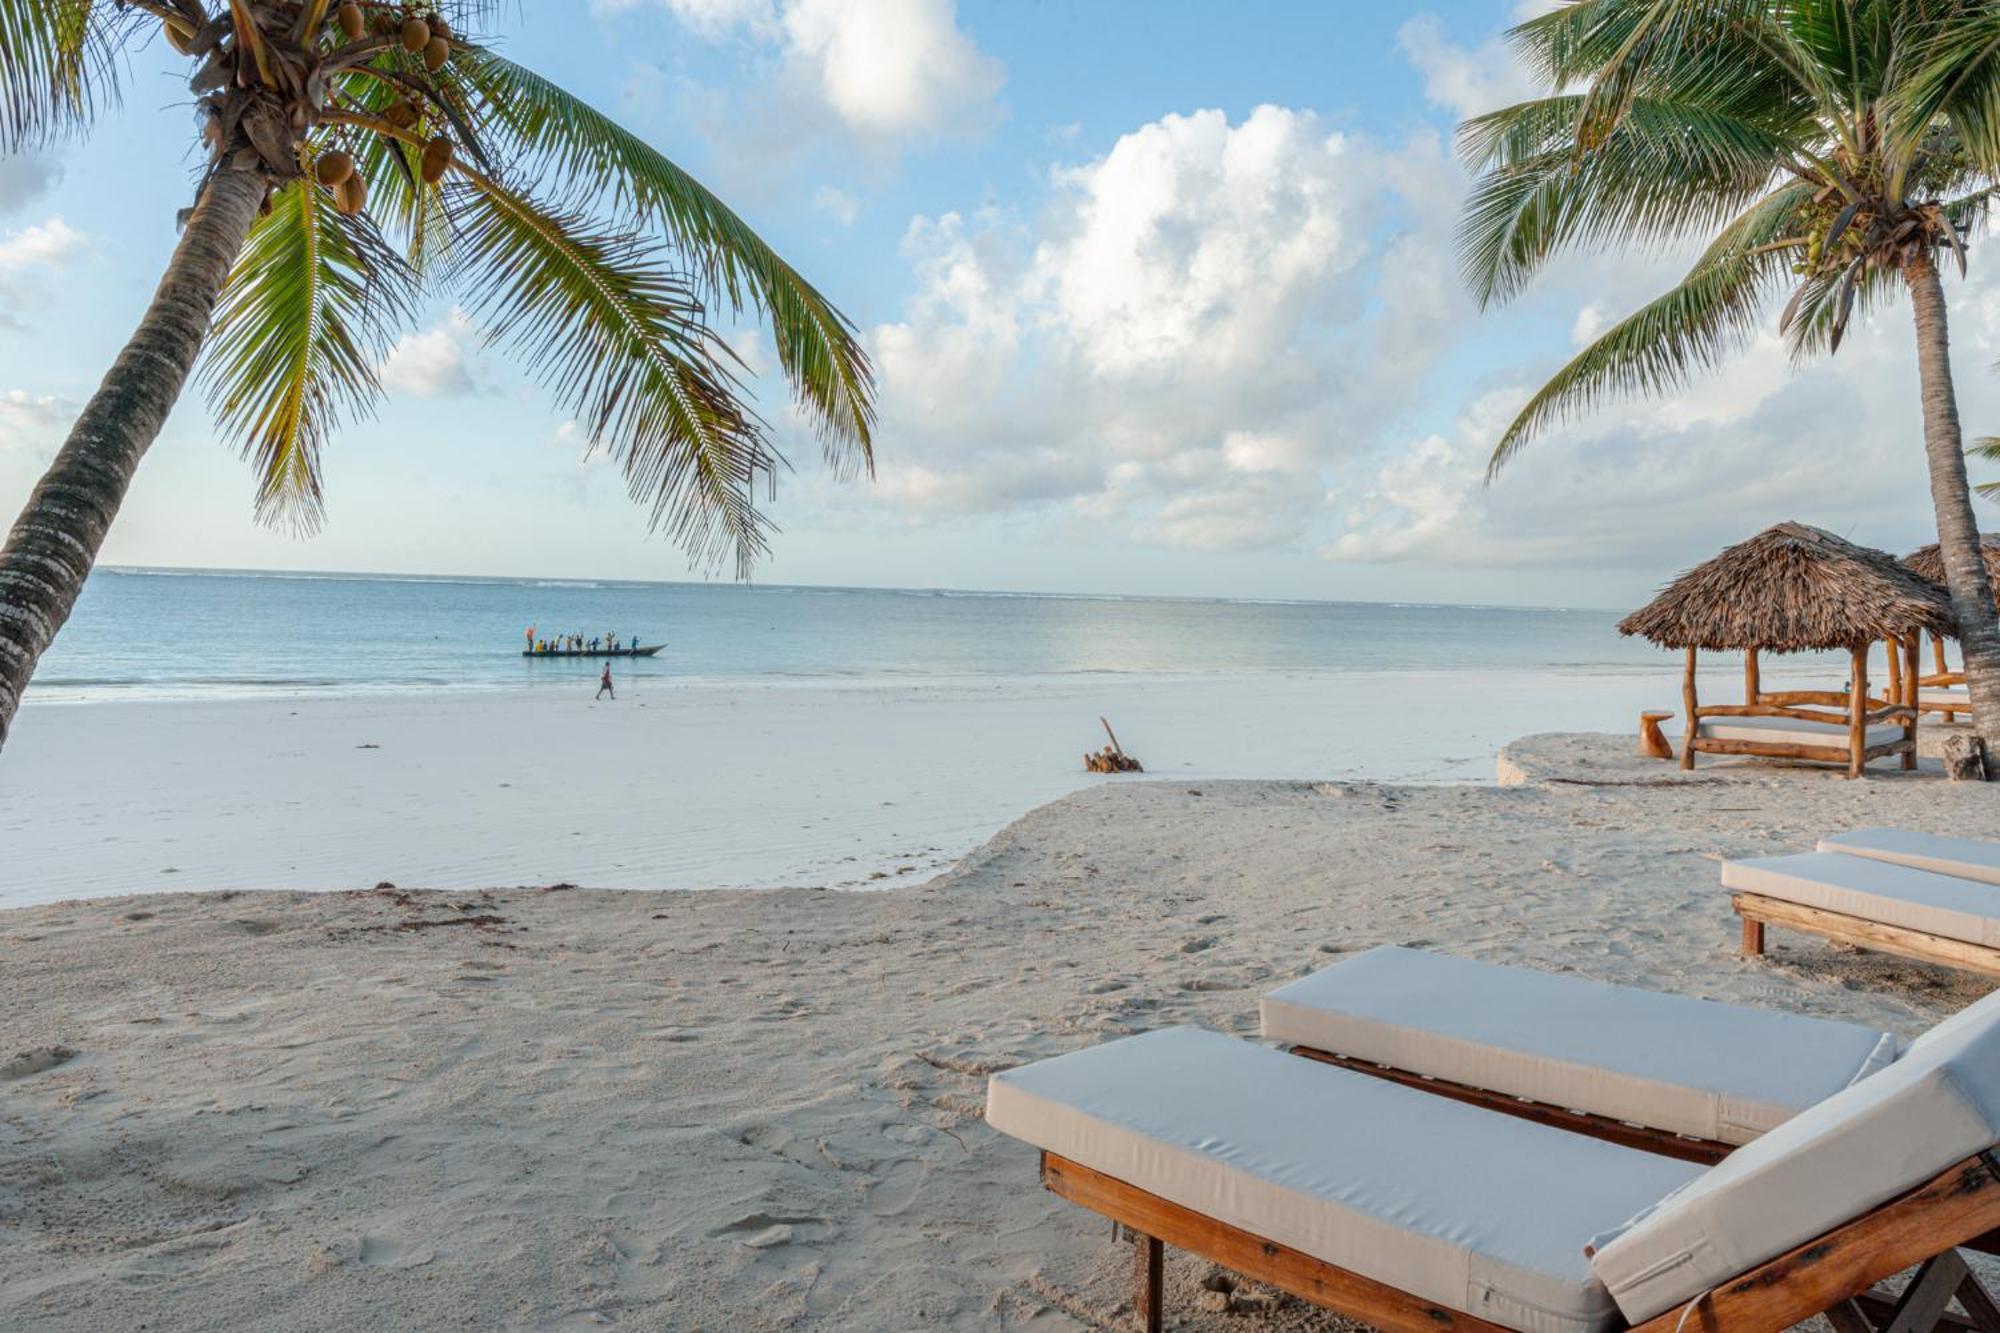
[714, 19]
[1464, 80]
[892, 68]
[28, 256]
[43, 245]
[887, 73]
[837, 204]
[1657, 484]
[1226, 336]
[33, 423]
[1183, 339]
[1590, 322]
[433, 363]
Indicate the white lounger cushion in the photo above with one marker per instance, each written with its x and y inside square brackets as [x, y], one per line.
[1793, 731]
[1688, 1066]
[1894, 895]
[1886, 1135]
[1480, 1212]
[1965, 858]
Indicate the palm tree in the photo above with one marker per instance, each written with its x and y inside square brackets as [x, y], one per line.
[356, 158]
[1835, 149]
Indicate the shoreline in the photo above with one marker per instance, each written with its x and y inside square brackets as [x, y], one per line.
[525, 1108]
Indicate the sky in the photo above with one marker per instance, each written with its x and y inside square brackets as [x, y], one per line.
[1160, 296]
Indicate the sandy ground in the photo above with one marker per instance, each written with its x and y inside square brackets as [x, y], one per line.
[737, 1110]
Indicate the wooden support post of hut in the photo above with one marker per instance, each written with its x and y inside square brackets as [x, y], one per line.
[1911, 693]
[1794, 588]
[1943, 690]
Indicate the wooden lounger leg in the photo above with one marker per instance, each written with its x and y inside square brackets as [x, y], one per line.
[1753, 938]
[1148, 1277]
[1923, 1302]
[1978, 1304]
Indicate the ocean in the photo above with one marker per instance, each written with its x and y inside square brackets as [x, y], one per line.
[159, 634]
[242, 731]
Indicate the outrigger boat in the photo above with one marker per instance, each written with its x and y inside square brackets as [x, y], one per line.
[643, 650]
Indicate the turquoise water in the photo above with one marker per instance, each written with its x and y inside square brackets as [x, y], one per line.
[154, 634]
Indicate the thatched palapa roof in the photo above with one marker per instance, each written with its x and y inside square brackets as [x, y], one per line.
[1792, 588]
[1928, 561]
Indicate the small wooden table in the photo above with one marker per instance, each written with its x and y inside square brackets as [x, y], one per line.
[1653, 742]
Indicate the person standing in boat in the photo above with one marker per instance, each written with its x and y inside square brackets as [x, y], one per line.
[604, 684]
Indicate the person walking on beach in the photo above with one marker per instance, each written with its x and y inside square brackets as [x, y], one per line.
[604, 685]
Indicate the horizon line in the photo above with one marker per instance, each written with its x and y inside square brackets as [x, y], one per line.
[409, 576]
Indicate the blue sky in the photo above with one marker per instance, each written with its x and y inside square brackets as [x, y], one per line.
[1161, 295]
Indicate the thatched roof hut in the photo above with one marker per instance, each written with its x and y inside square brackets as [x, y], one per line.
[1928, 561]
[1792, 588]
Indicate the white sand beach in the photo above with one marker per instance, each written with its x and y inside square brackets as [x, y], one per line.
[582, 1109]
[689, 785]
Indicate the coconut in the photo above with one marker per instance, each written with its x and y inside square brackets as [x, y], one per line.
[437, 157]
[439, 28]
[352, 21]
[400, 114]
[351, 195]
[416, 35]
[436, 52]
[333, 168]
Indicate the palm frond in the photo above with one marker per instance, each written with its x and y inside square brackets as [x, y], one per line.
[1695, 325]
[1666, 171]
[623, 343]
[57, 64]
[1817, 319]
[561, 136]
[1986, 448]
[1957, 77]
[308, 312]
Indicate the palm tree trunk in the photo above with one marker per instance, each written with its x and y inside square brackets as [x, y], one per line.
[55, 541]
[1951, 497]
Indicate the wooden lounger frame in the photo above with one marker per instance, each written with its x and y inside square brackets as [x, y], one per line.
[1830, 1275]
[1707, 1152]
[1759, 912]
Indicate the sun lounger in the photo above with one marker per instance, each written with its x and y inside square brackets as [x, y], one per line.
[1793, 731]
[1410, 1211]
[1963, 858]
[1669, 1073]
[1872, 903]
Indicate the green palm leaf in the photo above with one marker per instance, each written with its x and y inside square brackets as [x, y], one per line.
[622, 342]
[563, 137]
[309, 311]
[1696, 324]
[1987, 448]
[1665, 171]
[56, 63]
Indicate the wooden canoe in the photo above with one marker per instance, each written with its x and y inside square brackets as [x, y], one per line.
[643, 650]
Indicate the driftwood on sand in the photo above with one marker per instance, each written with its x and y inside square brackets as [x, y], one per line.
[1112, 758]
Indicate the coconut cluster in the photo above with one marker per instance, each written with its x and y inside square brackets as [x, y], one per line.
[273, 70]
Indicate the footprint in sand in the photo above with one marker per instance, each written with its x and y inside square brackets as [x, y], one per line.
[39, 1059]
[897, 1188]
